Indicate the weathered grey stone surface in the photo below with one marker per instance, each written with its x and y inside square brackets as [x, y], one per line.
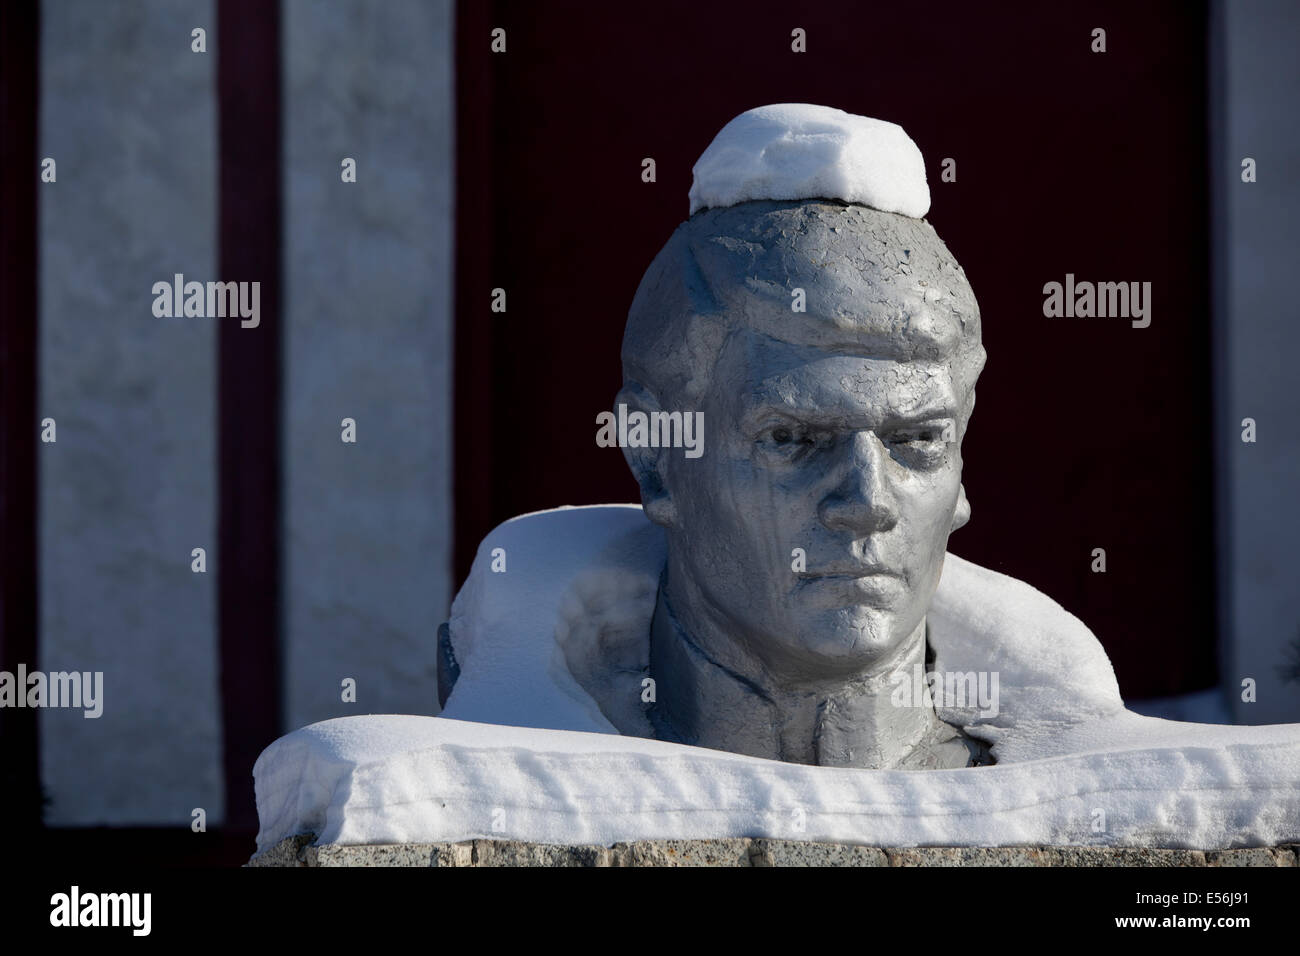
[288, 852]
[297, 851]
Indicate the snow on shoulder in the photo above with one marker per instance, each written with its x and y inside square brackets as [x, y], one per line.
[801, 151]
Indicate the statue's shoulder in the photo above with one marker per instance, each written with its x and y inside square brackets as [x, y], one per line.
[564, 533]
[548, 549]
[560, 581]
[1050, 667]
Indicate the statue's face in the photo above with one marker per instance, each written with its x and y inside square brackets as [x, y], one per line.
[852, 460]
[833, 350]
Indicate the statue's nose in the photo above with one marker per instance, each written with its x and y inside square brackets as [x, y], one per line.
[862, 502]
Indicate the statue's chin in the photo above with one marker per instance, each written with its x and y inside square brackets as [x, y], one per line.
[842, 643]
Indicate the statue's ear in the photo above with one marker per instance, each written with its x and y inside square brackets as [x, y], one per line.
[649, 465]
[961, 514]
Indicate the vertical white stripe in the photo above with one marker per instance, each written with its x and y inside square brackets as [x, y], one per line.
[368, 337]
[1259, 334]
[128, 113]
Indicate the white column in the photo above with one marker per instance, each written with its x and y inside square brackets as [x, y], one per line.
[368, 337]
[128, 490]
[1257, 350]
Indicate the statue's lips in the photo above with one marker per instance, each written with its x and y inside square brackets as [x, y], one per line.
[868, 585]
[838, 574]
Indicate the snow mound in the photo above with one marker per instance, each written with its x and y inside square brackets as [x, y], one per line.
[398, 779]
[801, 151]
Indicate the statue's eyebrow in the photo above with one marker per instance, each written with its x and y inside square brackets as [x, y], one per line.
[819, 416]
[768, 413]
[925, 412]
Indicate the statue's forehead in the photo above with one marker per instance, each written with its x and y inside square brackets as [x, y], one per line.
[767, 373]
[836, 276]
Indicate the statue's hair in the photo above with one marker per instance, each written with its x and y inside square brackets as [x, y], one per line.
[876, 284]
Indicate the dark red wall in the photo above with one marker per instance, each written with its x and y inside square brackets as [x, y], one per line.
[20, 787]
[1087, 433]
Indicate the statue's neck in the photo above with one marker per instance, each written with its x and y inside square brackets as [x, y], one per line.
[849, 723]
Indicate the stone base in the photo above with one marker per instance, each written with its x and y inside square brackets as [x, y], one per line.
[298, 851]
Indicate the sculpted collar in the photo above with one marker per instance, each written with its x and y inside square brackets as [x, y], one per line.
[703, 703]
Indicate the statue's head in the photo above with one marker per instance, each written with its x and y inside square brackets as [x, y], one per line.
[833, 350]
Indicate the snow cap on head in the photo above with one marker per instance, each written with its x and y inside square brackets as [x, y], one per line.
[801, 151]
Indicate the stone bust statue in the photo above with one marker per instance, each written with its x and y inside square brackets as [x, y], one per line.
[830, 348]
[806, 542]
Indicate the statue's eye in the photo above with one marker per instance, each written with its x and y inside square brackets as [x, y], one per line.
[790, 442]
[923, 446]
[919, 439]
[790, 436]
